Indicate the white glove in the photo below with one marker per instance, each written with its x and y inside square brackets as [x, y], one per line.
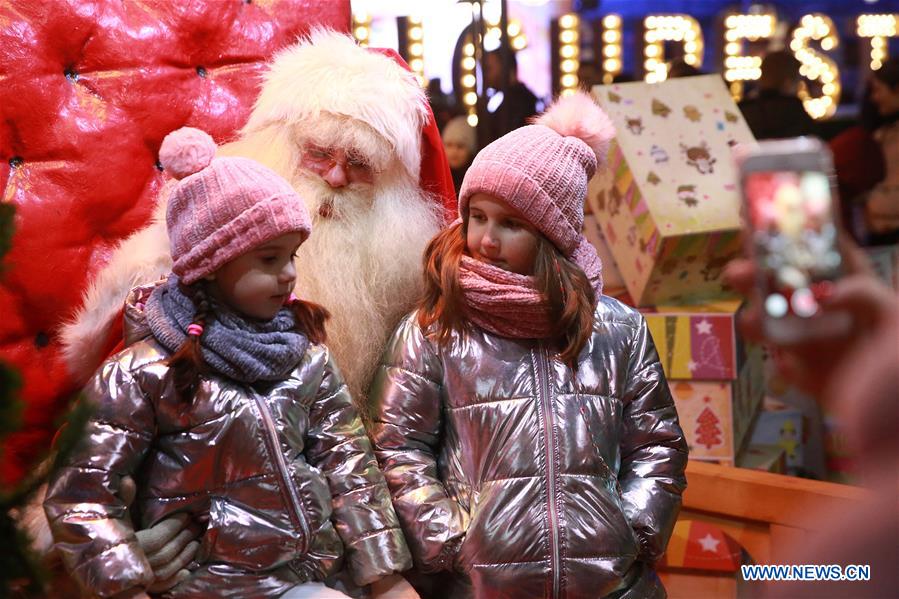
[169, 545]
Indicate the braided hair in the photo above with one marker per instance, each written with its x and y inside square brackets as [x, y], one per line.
[187, 363]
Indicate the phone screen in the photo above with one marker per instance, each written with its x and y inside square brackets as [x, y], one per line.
[794, 238]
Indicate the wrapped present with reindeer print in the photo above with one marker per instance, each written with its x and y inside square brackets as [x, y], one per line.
[669, 203]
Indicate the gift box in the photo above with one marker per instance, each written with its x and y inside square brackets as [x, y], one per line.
[612, 281]
[781, 427]
[769, 458]
[782, 395]
[842, 464]
[695, 342]
[716, 415]
[668, 203]
[717, 383]
[884, 261]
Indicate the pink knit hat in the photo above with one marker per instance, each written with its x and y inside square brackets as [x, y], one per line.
[222, 207]
[542, 170]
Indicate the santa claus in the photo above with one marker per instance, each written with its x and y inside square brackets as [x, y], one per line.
[352, 130]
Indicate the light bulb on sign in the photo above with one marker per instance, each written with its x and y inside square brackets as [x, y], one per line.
[737, 28]
[676, 28]
[817, 66]
[878, 28]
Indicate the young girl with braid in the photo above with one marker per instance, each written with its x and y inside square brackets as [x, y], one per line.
[226, 408]
[522, 419]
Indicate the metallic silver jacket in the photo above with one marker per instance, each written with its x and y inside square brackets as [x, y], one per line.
[281, 477]
[526, 479]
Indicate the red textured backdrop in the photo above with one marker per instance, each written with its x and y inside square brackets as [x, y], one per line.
[88, 89]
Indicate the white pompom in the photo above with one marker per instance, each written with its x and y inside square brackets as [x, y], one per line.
[579, 116]
[186, 151]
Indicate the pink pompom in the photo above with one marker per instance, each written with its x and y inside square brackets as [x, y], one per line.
[579, 116]
[186, 151]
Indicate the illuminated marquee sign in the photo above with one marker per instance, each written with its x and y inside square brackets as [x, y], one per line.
[664, 28]
[878, 28]
[611, 50]
[737, 66]
[813, 38]
[362, 28]
[816, 66]
[416, 48]
[567, 59]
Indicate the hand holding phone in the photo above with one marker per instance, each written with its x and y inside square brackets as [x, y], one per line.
[790, 209]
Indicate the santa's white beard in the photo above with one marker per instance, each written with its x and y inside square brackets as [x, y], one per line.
[364, 264]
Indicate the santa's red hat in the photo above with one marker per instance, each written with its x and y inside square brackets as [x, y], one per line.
[370, 90]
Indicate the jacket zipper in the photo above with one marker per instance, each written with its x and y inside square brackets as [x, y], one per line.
[294, 509]
[550, 444]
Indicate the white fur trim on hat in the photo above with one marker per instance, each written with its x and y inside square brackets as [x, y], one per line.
[328, 73]
[142, 257]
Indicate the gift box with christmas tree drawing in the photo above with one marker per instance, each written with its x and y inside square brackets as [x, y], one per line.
[717, 382]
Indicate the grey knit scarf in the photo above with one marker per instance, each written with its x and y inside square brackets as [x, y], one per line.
[242, 349]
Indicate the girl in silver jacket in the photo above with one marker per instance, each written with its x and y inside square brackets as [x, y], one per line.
[229, 411]
[521, 418]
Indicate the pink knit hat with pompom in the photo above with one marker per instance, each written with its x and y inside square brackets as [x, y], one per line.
[542, 170]
[222, 208]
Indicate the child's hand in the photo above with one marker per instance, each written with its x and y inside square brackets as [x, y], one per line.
[393, 587]
[169, 546]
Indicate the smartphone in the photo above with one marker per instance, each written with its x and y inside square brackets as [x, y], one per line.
[790, 205]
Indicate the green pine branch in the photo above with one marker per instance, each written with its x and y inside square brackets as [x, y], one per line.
[21, 571]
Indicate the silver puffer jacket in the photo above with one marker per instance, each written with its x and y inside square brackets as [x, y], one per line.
[525, 479]
[280, 476]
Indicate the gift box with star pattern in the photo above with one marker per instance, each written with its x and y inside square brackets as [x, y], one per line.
[716, 381]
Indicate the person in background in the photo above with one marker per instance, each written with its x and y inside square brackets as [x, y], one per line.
[460, 141]
[858, 162]
[882, 204]
[681, 68]
[774, 110]
[518, 102]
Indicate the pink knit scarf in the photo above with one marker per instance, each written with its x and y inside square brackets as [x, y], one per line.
[502, 302]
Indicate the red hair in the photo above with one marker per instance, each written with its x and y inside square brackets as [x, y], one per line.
[566, 288]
